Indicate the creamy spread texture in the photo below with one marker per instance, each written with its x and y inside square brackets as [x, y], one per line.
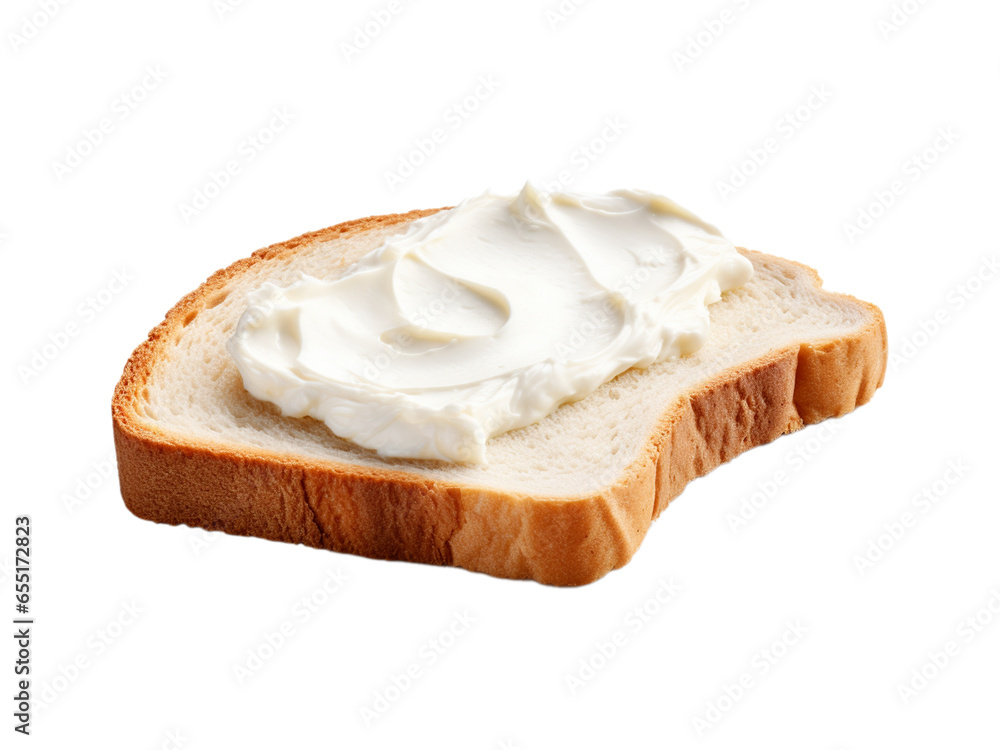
[486, 317]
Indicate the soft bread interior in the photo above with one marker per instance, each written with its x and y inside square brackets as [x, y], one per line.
[194, 390]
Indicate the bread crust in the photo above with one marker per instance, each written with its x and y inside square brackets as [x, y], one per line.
[391, 514]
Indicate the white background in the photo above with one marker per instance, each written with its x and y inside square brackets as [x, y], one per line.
[684, 129]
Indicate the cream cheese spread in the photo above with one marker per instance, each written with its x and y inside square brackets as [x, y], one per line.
[486, 317]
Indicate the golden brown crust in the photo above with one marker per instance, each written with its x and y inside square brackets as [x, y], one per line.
[396, 515]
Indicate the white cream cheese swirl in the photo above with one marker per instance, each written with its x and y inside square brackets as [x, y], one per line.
[485, 318]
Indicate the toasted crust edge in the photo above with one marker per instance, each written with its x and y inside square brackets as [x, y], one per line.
[395, 515]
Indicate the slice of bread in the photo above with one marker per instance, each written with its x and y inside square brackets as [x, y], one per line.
[562, 501]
